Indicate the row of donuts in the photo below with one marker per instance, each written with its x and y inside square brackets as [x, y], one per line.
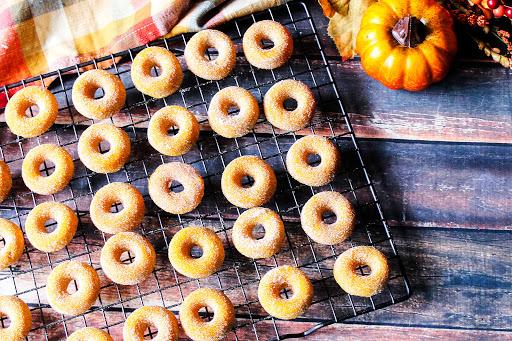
[162, 85]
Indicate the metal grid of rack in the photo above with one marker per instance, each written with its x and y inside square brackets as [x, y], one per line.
[239, 276]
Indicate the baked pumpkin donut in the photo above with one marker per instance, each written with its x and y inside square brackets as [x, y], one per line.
[243, 238]
[111, 161]
[317, 175]
[14, 243]
[37, 233]
[163, 120]
[257, 194]
[23, 125]
[90, 334]
[279, 279]
[176, 202]
[5, 181]
[21, 320]
[87, 281]
[180, 249]
[233, 125]
[169, 79]
[86, 85]
[160, 318]
[200, 65]
[54, 182]
[128, 273]
[218, 303]
[278, 115]
[273, 57]
[346, 275]
[312, 221]
[125, 220]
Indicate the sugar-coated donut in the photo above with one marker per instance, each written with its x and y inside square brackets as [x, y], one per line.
[111, 161]
[176, 202]
[218, 303]
[5, 181]
[14, 243]
[278, 115]
[90, 334]
[88, 283]
[170, 74]
[273, 57]
[312, 221]
[181, 246]
[163, 120]
[346, 275]
[86, 85]
[21, 319]
[54, 182]
[318, 175]
[160, 318]
[279, 279]
[26, 126]
[125, 220]
[37, 233]
[260, 192]
[233, 125]
[127, 273]
[200, 65]
[243, 238]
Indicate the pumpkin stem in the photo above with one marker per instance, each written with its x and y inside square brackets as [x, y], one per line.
[409, 31]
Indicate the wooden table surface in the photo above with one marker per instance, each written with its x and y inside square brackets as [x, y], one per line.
[441, 160]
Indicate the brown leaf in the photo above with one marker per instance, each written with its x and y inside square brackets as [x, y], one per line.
[345, 23]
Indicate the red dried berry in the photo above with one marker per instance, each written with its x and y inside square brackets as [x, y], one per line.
[493, 4]
[499, 12]
[508, 12]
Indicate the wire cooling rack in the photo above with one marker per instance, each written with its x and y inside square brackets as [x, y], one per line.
[239, 276]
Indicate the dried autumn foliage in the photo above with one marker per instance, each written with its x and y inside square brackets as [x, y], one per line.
[345, 20]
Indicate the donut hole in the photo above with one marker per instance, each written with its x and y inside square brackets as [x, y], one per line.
[290, 104]
[196, 251]
[205, 313]
[99, 93]
[150, 331]
[176, 186]
[50, 225]
[314, 159]
[266, 43]
[211, 53]
[247, 181]
[172, 130]
[5, 321]
[104, 146]
[286, 292]
[329, 217]
[155, 70]
[362, 270]
[72, 287]
[32, 110]
[125, 256]
[46, 168]
[116, 207]
[233, 110]
[258, 232]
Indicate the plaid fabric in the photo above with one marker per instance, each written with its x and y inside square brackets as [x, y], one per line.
[37, 36]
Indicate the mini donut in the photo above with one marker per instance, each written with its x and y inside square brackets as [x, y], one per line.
[180, 249]
[37, 233]
[235, 125]
[125, 220]
[215, 301]
[90, 334]
[278, 279]
[21, 319]
[278, 115]
[169, 79]
[260, 192]
[5, 181]
[176, 202]
[111, 161]
[265, 247]
[200, 65]
[311, 218]
[88, 283]
[56, 181]
[346, 275]
[151, 316]
[299, 168]
[273, 57]
[14, 243]
[163, 120]
[128, 273]
[26, 126]
[86, 85]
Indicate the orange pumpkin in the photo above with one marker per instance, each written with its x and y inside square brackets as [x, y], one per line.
[406, 44]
